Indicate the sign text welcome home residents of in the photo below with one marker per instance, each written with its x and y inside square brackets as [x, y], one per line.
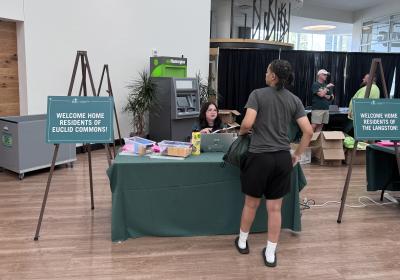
[79, 119]
[376, 119]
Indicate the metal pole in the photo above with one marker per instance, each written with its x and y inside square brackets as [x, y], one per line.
[259, 21]
[288, 25]
[231, 30]
[252, 24]
[275, 21]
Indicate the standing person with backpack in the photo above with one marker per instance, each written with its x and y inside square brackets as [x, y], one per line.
[267, 166]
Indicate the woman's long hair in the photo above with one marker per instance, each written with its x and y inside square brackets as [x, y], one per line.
[202, 117]
[283, 70]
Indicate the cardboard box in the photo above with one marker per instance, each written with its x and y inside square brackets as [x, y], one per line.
[360, 158]
[315, 145]
[327, 147]
[228, 116]
[329, 162]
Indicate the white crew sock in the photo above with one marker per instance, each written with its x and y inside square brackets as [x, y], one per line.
[242, 239]
[270, 252]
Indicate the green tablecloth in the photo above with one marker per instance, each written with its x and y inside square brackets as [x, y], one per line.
[382, 171]
[195, 196]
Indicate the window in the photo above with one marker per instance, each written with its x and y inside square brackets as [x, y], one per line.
[381, 35]
[320, 42]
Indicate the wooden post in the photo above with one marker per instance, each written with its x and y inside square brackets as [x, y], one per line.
[374, 65]
[110, 93]
[82, 57]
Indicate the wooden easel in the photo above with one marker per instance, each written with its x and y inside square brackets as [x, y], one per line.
[374, 65]
[110, 93]
[85, 67]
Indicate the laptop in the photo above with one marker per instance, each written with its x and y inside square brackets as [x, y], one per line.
[218, 142]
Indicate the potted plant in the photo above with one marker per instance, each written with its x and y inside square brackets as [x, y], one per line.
[141, 99]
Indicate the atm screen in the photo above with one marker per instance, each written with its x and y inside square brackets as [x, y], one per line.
[182, 101]
[183, 84]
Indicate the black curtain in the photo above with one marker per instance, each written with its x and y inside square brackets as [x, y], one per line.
[302, 62]
[240, 71]
[306, 65]
[359, 64]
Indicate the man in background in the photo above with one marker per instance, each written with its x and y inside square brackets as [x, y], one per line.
[322, 97]
[374, 94]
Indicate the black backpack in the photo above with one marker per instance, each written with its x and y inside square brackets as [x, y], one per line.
[237, 150]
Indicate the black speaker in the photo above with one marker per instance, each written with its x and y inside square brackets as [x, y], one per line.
[244, 32]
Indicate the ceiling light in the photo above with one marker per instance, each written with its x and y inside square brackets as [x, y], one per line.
[244, 7]
[319, 27]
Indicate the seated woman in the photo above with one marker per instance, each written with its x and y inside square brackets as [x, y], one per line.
[209, 120]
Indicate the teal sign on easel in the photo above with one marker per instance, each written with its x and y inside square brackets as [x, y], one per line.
[376, 119]
[79, 119]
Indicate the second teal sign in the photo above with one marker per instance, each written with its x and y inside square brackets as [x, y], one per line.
[376, 119]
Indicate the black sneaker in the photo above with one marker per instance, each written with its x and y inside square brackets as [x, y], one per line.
[242, 251]
[265, 259]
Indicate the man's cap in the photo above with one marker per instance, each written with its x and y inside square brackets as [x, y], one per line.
[323, 72]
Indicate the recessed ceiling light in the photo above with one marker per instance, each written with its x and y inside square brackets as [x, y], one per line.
[244, 7]
[319, 27]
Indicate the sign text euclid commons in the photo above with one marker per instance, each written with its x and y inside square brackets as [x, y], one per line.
[79, 119]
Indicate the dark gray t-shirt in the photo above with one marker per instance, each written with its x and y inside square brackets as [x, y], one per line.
[276, 110]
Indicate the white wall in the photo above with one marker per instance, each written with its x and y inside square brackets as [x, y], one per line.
[389, 8]
[12, 9]
[121, 33]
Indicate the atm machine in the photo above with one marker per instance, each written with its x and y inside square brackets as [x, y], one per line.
[178, 109]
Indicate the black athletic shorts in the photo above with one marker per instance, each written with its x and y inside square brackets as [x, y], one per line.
[267, 174]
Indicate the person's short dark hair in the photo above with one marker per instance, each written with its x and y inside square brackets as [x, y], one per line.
[283, 70]
[202, 116]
